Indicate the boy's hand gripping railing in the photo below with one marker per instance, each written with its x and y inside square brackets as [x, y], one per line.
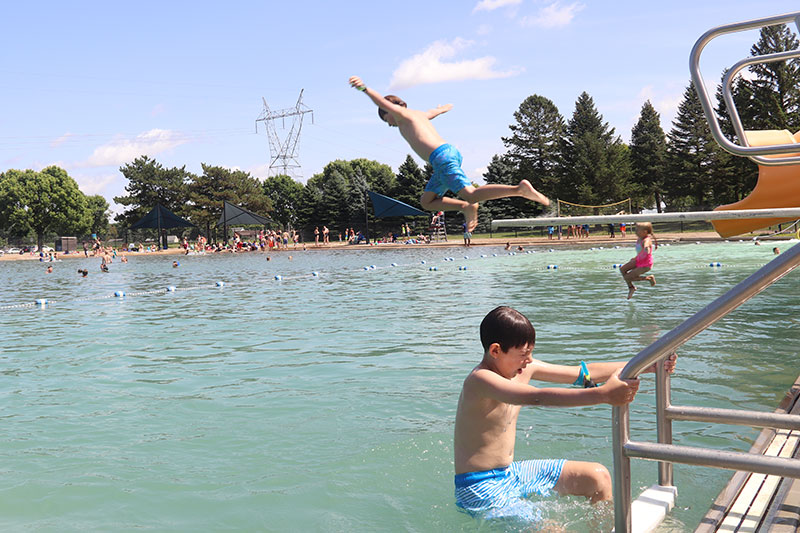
[664, 450]
[756, 153]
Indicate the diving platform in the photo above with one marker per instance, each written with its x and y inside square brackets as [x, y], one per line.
[688, 216]
[753, 502]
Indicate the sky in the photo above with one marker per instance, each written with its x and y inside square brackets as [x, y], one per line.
[90, 86]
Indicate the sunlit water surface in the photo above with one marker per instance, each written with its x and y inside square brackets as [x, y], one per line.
[326, 403]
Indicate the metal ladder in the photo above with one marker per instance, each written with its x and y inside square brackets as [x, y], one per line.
[664, 451]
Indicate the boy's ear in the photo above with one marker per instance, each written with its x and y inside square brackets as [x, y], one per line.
[494, 350]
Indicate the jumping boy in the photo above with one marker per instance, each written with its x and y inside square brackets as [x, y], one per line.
[488, 480]
[416, 128]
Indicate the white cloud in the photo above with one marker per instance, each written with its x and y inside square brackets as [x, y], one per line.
[491, 5]
[123, 150]
[553, 16]
[91, 185]
[484, 29]
[429, 67]
[61, 140]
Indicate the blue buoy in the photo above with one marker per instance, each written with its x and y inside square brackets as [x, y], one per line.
[423, 261]
[394, 264]
[366, 268]
[220, 284]
[373, 267]
[315, 274]
[171, 288]
[550, 250]
[119, 294]
[278, 277]
[462, 267]
[432, 268]
[42, 302]
[466, 257]
[715, 264]
[494, 255]
[483, 255]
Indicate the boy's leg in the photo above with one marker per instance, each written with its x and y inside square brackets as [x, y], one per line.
[493, 191]
[580, 478]
[433, 202]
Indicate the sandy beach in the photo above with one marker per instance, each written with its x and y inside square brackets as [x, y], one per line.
[452, 242]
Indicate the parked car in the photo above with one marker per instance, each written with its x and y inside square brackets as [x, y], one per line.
[13, 250]
[45, 249]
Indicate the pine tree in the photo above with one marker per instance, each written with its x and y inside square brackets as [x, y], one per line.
[690, 155]
[648, 155]
[776, 89]
[735, 176]
[410, 182]
[534, 146]
[596, 166]
[502, 170]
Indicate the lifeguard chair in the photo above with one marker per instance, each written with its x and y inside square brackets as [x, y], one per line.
[777, 152]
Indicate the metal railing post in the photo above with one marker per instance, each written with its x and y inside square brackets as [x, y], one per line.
[620, 417]
[663, 423]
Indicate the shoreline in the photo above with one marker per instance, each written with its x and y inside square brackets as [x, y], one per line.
[698, 236]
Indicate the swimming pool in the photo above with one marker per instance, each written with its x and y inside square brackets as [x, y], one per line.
[326, 403]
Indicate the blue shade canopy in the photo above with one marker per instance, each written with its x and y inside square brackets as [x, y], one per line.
[389, 207]
[237, 216]
[161, 217]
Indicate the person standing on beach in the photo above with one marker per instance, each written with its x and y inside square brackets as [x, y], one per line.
[416, 128]
[316, 235]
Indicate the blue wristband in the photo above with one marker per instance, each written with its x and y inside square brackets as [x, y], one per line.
[584, 379]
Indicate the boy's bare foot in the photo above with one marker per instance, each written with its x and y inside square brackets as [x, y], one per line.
[631, 290]
[527, 191]
[471, 216]
[652, 280]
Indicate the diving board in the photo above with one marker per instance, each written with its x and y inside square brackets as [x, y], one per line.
[790, 213]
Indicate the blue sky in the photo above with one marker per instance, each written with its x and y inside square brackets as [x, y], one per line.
[90, 86]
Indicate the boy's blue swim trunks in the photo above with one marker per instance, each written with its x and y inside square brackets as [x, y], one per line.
[447, 172]
[499, 493]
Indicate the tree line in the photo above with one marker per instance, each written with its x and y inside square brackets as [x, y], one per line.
[581, 160]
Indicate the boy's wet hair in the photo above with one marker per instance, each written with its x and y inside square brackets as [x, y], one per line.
[507, 327]
[393, 99]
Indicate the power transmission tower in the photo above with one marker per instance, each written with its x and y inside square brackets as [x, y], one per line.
[283, 153]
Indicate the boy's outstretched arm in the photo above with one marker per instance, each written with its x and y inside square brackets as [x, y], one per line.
[614, 392]
[376, 97]
[438, 110]
[599, 372]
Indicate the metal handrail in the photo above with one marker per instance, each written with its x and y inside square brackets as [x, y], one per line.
[755, 153]
[664, 451]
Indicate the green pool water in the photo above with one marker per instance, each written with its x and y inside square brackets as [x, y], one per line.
[326, 403]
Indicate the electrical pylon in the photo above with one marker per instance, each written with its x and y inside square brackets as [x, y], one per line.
[283, 153]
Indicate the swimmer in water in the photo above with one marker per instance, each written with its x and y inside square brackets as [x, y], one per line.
[488, 480]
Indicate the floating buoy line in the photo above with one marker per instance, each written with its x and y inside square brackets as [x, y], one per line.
[122, 295]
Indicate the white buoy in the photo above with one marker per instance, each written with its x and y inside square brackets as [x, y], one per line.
[119, 294]
[552, 267]
[423, 261]
[550, 250]
[394, 264]
[315, 274]
[42, 302]
[373, 267]
[171, 288]
[433, 268]
[278, 277]
[462, 267]
[366, 268]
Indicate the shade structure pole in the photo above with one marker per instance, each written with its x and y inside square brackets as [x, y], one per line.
[366, 214]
